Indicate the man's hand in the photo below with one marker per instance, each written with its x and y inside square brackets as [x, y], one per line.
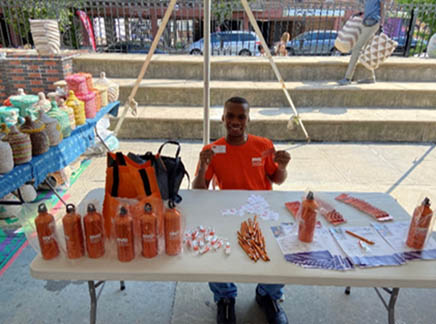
[206, 158]
[282, 158]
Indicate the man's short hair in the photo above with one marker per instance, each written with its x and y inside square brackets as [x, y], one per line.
[237, 100]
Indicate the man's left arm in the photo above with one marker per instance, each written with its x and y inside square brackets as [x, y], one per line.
[282, 159]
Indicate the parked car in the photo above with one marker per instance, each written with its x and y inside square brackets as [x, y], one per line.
[132, 47]
[314, 42]
[228, 43]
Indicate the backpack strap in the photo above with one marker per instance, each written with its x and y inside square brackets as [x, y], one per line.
[170, 142]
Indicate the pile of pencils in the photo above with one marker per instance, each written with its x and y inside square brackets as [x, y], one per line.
[251, 240]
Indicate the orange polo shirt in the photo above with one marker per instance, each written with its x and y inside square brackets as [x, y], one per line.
[243, 167]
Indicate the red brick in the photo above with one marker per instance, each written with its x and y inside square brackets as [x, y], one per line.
[36, 90]
[2, 87]
[36, 82]
[17, 78]
[19, 85]
[50, 63]
[52, 79]
[33, 67]
[34, 75]
[17, 70]
[14, 62]
[53, 72]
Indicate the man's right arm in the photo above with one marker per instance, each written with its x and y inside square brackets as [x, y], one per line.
[200, 181]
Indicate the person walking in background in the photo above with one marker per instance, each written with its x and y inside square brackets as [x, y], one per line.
[242, 161]
[373, 18]
[280, 49]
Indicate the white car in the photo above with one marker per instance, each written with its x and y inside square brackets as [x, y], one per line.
[233, 42]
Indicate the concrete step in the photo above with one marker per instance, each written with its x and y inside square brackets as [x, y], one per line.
[167, 92]
[297, 68]
[323, 124]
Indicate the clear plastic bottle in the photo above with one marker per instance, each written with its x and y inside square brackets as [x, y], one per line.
[46, 230]
[94, 233]
[124, 236]
[149, 232]
[73, 233]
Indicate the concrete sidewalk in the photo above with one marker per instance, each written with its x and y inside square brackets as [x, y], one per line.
[405, 171]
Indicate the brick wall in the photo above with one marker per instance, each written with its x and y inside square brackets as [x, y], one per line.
[26, 69]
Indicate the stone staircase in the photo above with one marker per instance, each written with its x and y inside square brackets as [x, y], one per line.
[400, 107]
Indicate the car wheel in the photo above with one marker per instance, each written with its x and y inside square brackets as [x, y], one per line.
[335, 52]
[195, 52]
[291, 51]
[245, 52]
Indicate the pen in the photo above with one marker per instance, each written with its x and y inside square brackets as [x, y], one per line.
[359, 237]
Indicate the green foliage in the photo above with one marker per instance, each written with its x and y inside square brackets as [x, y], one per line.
[19, 12]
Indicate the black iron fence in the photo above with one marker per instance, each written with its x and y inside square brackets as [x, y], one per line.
[128, 26]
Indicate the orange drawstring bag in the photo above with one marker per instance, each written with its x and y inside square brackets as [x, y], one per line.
[127, 179]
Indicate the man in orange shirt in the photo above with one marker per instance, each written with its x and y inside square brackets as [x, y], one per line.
[247, 162]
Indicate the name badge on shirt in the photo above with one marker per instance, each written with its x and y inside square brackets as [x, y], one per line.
[256, 161]
[219, 149]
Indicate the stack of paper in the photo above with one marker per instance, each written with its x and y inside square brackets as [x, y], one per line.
[322, 253]
[364, 255]
[396, 233]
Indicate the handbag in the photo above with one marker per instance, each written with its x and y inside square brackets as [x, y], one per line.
[349, 34]
[128, 179]
[169, 171]
[379, 48]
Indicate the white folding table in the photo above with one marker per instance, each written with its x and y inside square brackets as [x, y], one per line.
[202, 207]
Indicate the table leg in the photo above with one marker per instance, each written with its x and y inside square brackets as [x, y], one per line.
[122, 285]
[93, 312]
[347, 290]
[391, 306]
[54, 191]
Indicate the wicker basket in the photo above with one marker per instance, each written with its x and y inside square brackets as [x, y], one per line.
[25, 104]
[113, 89]
[52, 128]
[69, 111]
[43, 104]
[88, 78]
[90, 104]
[103, 94]
[78, 107]
[20, 144]
[6, 157]
[77, 83]
[62, 118]
[39, 139]
[46, 36]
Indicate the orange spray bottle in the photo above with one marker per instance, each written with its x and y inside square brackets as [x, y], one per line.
[420, 225]
[73, 233]
[149, 232]
[124, 236]
[94, 236]
[46, 228]
[173, 230]
[306, 227]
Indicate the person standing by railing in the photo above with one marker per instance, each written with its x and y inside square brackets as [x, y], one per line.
[280, 48]
[373, 18]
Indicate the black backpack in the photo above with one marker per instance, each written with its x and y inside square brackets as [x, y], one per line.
[169, 171]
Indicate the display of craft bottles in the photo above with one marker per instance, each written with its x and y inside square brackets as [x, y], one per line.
[93, 224]
[307, 221]
[149, 232]
[73, 233]
[420, 225]
[46, 230]
[173, 230]
[124, 236]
